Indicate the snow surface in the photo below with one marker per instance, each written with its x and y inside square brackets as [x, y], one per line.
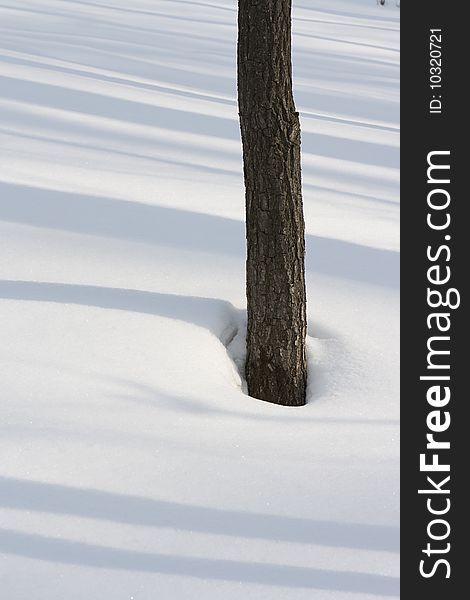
[132, 464]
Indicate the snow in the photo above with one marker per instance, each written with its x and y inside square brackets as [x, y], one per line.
[133, 465]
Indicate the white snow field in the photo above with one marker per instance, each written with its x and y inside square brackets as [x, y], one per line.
[132, 464]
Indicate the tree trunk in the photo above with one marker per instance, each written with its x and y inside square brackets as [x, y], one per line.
[276, 368]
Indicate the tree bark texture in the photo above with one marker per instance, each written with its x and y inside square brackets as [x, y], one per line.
[276, 368]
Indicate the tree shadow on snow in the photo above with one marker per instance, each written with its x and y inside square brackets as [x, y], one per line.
[18, 494]
[138, 222]
[90, 555]
[220, 317]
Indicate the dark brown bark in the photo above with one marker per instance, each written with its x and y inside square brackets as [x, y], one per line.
[276, 368]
